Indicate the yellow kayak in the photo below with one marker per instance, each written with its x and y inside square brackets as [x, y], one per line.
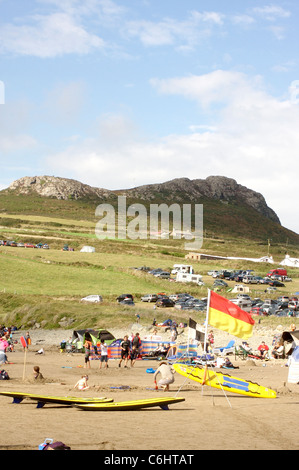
[130, 405]
[18, 397]
[223, 381]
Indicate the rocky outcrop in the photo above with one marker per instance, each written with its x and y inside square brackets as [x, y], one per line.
[214, 187]
[59, 188]
[178, 190]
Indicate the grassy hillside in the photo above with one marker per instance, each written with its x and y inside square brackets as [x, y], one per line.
[229, 220]
[45, 286]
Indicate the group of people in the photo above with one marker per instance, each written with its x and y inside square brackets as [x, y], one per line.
[130, 349]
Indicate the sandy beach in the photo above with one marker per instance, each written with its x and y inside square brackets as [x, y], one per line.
[207, 419]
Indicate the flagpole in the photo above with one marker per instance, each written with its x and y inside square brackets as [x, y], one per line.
[188, 338]
[207, 320]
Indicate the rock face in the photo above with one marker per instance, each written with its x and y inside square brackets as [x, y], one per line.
[59, 188]
[178, 190]
[214, 187]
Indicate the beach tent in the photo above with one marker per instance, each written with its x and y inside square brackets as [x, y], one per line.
[87, 249]
[79, 336]
[106, 335]
[92, 335]
[292, 340]
[293, 376]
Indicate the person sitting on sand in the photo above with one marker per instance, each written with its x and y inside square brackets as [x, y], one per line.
[37, 375]
[82, 383]
[263, 349]
[278, 350]
[167, 376]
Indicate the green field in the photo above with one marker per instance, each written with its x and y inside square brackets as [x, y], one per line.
[45, 286]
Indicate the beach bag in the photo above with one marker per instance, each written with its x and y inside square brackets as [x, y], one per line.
[4, 375]
[50, 445]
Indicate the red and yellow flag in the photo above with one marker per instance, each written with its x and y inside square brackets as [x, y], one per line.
[227, 316]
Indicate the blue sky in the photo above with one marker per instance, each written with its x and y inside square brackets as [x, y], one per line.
[117, 94]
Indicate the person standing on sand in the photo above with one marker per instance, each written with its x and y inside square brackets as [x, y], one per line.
[104, 354]
[136, 344]
[125, 350]
[87, 346]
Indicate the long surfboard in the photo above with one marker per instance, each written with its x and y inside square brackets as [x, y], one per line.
[130, 405]
[18, 397]
[224, 381]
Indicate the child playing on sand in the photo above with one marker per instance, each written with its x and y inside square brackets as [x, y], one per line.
[82, 383]
[37, 375]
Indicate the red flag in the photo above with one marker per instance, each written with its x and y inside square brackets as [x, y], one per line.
[227, 316]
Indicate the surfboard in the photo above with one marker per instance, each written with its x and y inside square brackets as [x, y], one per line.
[224, 381]
[130, 405]
[18, 397]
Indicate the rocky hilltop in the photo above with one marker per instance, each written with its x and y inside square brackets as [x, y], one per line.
[55, 187]
[178, 190]
[214, 187]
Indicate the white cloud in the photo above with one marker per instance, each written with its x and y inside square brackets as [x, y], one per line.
[256, 142]
[48, 36]
[171, 31]
[272, 12]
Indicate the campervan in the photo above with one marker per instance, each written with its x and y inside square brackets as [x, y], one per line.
[243, 303]
[196, 278]
[182, 268]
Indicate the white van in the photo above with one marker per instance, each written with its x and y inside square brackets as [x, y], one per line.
[182, 268]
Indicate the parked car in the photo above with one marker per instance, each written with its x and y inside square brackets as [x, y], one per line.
[165, 302]
[149, 298]
[92, 298]
[162, 275]
[127, 302]
[276, 284]
[249, 280]
[122, 297]
[220, 283]
[155, 271]
[293, 305]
